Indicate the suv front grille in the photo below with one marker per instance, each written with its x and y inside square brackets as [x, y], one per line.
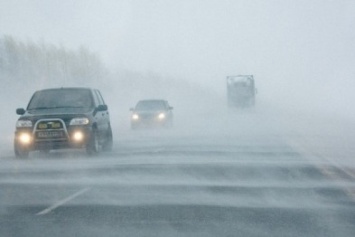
[50, 129]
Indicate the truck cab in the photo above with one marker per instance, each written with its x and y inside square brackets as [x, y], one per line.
[241, 91]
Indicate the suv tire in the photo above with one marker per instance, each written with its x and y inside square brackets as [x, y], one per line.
[20, 152]
[93, 147]
[109, 140]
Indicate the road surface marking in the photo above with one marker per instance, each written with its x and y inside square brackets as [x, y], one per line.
[324, 169]
[61, 202]
[323, 156]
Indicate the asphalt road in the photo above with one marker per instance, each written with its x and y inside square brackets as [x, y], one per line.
[259, 180]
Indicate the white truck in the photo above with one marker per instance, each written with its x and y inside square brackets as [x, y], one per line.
[241, 91]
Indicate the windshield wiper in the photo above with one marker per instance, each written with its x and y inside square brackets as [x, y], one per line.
[40, 108]
[57, 107]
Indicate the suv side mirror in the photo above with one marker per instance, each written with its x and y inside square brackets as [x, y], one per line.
[131, 109]
[171, 107]
[102, 108]
[20, 111]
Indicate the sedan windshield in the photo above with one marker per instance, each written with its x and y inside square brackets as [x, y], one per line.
[151, 105]
[61, 98]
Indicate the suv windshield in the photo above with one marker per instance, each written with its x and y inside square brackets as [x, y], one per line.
[150, 105]
[61, 98]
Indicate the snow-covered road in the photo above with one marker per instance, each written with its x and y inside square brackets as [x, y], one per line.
[246, 173]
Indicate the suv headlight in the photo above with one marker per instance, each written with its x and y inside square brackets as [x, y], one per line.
[24, 124]
[25, 138]
[79, 121]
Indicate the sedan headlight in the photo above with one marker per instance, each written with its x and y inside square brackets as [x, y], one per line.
[79, 121]
[24, 124]
[135, 116]
[161, 116]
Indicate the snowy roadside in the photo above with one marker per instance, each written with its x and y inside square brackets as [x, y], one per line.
[328, 138]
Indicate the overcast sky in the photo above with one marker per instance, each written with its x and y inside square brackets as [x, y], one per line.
[281, 42]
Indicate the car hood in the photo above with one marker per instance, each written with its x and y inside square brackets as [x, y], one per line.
[57, 111]
[149, 111]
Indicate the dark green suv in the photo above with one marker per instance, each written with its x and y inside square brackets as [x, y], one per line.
[63, 118]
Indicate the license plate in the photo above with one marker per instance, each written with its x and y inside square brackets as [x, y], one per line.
[50, 134]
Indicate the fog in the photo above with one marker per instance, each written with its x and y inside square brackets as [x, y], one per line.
[302, 51]
[282, 168]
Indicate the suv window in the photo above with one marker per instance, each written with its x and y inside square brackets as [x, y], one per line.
[61, 98]
[99, 97]
[96, 99]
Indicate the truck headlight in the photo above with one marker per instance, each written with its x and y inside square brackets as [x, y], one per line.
[79, 121]
[24, 124]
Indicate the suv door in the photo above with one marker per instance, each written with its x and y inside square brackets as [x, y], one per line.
[103, 118]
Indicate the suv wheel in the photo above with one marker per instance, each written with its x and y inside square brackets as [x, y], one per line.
[109, 140]
[134, 126]
[20, 152]
[93, 146]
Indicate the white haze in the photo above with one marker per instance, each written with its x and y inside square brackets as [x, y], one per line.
[300, 52]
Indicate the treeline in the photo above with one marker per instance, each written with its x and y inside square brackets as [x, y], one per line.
[29, 63]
